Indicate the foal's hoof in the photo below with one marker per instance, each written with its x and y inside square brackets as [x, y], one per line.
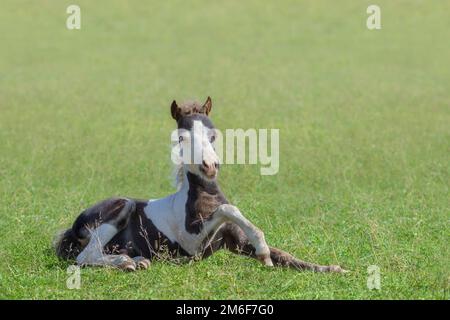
[141, 263]
[265, 260]
[125, 263]
[337, 269]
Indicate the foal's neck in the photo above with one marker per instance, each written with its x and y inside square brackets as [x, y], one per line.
[194, 182]
[203, 198]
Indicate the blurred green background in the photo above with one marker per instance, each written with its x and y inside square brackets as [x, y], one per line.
[364, 138]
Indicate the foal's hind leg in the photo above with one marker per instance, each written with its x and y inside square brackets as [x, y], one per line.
[99, 225]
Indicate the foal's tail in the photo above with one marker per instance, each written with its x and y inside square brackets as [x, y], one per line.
[284, 259]
[67, 245]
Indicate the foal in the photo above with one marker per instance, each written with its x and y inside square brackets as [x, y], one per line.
[195, 221]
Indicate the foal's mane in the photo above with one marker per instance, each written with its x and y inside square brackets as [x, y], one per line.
[178, 176]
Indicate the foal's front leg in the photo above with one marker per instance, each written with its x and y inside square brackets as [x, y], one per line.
[231, 237]
[254, 235]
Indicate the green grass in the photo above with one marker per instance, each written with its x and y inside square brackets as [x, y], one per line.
[364, 119]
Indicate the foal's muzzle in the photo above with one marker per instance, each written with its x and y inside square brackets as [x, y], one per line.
[209, 169]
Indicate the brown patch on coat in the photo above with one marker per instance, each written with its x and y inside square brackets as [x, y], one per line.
[204, 197]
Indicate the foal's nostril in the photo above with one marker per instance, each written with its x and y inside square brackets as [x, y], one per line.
[210, 169]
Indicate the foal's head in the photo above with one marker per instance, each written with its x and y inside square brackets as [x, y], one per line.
[196, 135]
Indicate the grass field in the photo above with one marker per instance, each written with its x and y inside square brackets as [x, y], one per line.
[364, 119]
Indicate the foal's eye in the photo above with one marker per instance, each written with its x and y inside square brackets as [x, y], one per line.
[212, 139]
[180, 139]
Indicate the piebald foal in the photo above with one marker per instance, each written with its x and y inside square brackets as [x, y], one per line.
[195, 221]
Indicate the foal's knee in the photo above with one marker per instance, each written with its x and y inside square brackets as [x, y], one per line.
[234, 214]
[228, 209]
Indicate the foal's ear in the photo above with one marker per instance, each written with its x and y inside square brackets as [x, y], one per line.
[175, 110]
[207, 106]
